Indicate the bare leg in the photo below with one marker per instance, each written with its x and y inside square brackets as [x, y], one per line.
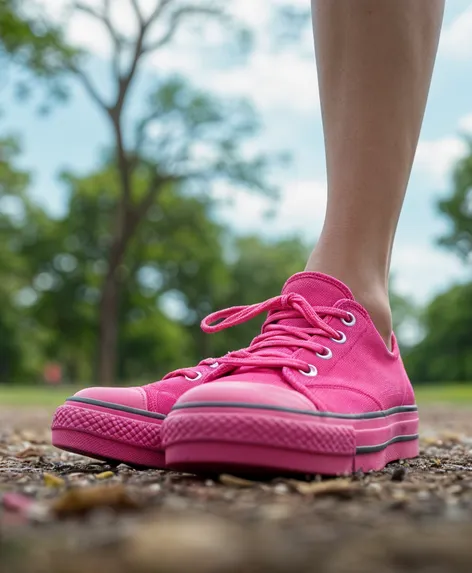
[375, 60]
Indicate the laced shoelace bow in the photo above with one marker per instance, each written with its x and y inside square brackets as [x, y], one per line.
[267, 349]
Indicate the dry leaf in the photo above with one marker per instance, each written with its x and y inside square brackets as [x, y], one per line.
[84, 499]
[431, 441]
[28, 436]
[451, 437]
[340, 487]
[50, 480]
[29, 453]
[104, 475]
[233, 481]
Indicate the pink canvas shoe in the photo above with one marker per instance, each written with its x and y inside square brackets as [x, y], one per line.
[317, 392]
[123, 424]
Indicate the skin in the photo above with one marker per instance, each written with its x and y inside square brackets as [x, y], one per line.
[375, 61]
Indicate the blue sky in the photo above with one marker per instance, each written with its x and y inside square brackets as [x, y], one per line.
[282, 85]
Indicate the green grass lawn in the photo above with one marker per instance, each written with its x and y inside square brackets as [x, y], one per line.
[51, 397]
[452, 393]
[34, 395]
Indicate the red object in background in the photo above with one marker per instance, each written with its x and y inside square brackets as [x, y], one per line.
[53, 373]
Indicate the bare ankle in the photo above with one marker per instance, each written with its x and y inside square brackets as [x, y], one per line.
[372, 294]
[379, 310]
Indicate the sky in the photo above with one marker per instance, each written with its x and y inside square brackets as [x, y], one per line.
[281, 82]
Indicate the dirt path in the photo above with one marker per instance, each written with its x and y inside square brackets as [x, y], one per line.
[63, 513]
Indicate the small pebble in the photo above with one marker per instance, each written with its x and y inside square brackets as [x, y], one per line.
[281, 488]
[399, 474]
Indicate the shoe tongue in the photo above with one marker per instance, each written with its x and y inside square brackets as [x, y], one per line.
[318, 289]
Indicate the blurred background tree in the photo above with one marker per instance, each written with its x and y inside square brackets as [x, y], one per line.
[182, 137]
[38, 49]
[444, 353]
[120, 283]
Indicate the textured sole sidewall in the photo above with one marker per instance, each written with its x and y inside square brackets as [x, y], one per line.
[251, 440]
[103, 434]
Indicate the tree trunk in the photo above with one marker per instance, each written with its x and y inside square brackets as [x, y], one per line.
[108, 342]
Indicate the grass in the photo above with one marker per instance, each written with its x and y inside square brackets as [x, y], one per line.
[34, 395]
[449, 393]
[51, 397]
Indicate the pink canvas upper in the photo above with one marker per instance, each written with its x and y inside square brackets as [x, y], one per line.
[314, 327]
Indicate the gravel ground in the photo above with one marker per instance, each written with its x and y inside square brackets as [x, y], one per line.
[64, 513]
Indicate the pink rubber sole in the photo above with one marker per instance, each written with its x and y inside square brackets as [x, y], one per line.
[202, 439]
[107, 434]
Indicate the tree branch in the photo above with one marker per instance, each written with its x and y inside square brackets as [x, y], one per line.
[156, 183]
[124, 81]
[175, 21]
[105, 19]
[141, 127]
[137, 11]
[160, 7]
[90, 88]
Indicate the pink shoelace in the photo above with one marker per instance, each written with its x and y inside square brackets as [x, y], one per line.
[268, 349]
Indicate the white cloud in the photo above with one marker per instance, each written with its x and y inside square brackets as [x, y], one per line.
[273, 80]
[456, 39]
[465, 123]
[421, 271]
[300, 210]
[435, 157]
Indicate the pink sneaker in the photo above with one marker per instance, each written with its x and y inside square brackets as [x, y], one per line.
[123, 424]
[317, 392]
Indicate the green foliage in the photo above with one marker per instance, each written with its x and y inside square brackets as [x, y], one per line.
[30, 41]
[444, 353]
[178, 252]
[458, 209]
[19, 339]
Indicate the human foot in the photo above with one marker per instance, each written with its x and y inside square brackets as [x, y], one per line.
[123, 424]
[317, 392]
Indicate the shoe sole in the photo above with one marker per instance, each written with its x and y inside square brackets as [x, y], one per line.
[110, 432]
[279, 440]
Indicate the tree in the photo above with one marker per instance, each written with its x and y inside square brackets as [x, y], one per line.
[176, 243]
[20, 340]
[183, 137]
[36, 47]
[458, 209]
[444, 353]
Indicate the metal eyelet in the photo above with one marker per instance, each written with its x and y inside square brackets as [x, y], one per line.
[351, 321]
[312, 372]
[197, 377]
[214, 365]
[342, 338]
[326, 355]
